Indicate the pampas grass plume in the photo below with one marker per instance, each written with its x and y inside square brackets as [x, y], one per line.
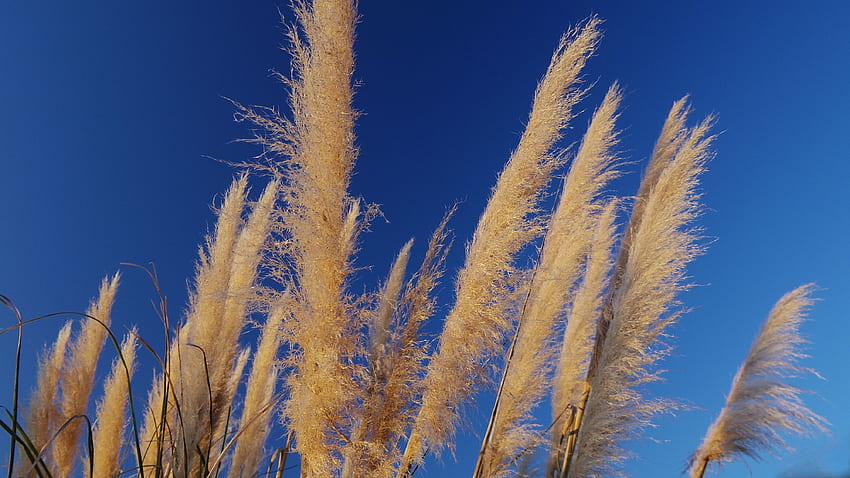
[42, 415]
[567, 242]
[761, 405]
[112, 411]
[477, 323]
[77, 379]
[642, 303]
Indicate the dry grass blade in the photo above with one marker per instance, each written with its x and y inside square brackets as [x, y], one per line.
[761, 405]
[17, 380]
[150, 438]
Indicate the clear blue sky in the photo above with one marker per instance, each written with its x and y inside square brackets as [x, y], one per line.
[109, 110]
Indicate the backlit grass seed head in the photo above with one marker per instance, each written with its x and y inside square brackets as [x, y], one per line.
[77, 378]
[762, 406]
[583, 316]
[567, 241]
[205, 362]
[477, 324]
[112, 411]
[246, 257]
[355, 380]
[388, 413]
[642, 308]
[42, 418]
[365, 444]
[192, 370]
[255, 423]
[319, 219]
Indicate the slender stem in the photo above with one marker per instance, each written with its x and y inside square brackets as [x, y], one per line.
[701, 470]
[479, 465]
[285, 454]
[568, 424]
[572, 436]
[15, 425]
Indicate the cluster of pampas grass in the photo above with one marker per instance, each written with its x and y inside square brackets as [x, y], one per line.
[356, 386]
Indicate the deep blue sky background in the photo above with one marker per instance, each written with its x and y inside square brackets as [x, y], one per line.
[108, 111]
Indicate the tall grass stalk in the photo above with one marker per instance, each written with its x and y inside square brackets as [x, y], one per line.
[571, 412]
[387, 411]
[479, 320]
[642, 307]
[380, 360]
[77, 378]
[112, 411]
[570, 387]
[42, 414]
[265, 371]
[568, 410]
[314, 151]
[194, 379]
[568, 239]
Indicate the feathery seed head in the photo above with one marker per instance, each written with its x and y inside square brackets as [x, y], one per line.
[478, 322]
[567, 242]
[112, 411]
[650, 273]
[761, 405]
[77, 378]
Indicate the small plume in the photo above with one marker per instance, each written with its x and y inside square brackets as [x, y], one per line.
[112, 411]
[77, 379]
[195, 371]
[42, 417]
[379, 331]
[762, 406]
[578, 339]
[256, 415]
[390, 403]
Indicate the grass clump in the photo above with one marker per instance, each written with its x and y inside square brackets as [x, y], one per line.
[354, 384]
